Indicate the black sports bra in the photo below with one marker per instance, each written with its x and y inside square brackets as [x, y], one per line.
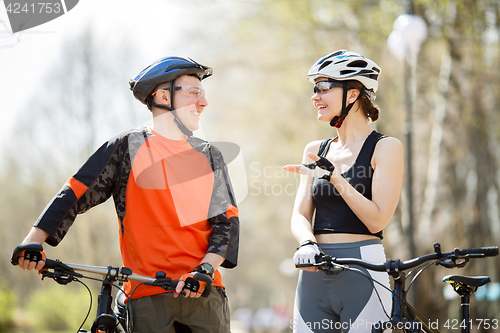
[333, 215]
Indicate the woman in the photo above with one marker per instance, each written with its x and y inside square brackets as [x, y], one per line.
[351, 184]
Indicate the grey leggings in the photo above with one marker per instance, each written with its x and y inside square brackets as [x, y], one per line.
[345, 302]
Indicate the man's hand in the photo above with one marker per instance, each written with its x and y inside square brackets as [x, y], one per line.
[30, 265]
[192, 287]
[207, 266]
[29, 256]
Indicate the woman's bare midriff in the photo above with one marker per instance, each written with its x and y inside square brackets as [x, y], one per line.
[342, 238]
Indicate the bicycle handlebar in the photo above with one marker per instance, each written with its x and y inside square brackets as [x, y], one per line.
[449, 259]
[117, 274]
[121, 274]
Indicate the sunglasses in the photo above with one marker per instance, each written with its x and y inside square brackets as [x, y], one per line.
[324, 86]
[195, 92]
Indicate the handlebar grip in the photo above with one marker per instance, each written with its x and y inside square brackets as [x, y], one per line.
[489, 251]
[49, 263]
[34, 248]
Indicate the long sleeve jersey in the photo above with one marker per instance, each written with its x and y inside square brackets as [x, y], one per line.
[173, 199]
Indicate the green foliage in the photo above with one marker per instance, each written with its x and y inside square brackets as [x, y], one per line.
[7, 303]
[56, 307]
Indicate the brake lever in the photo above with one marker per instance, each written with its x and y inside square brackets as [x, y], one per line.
[332, 269]
[164, 283]
[59, 277]
[463, 263]
[452, 262]
[61, 268]
[328, 266]
[447, 263]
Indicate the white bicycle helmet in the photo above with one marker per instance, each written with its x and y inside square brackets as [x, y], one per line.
[343, 65]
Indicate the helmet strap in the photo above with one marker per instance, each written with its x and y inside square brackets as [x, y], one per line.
[160, 106]
[338, 121]
[177, 121]
[181, 126]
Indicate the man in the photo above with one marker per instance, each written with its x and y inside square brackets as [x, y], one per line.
[176, 209]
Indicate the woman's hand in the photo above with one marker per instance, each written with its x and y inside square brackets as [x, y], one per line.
[296, 167]
[306, 254]
[319, 168]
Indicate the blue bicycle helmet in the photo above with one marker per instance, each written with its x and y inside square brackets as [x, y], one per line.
[162, 71]
[165, 70]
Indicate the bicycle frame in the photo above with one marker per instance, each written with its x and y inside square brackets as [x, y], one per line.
[402, 312]
[404, 315]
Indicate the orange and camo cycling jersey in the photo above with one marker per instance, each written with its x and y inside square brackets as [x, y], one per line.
[173, 200]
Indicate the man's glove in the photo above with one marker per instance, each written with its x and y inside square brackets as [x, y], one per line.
[28, 251]
[306, 253]
[322, 169]
[197, 282]
[191, 284]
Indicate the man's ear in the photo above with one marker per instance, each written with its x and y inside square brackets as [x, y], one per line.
[163, 97]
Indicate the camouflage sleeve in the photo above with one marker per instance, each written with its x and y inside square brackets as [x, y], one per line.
[223, 214]
[91, 185]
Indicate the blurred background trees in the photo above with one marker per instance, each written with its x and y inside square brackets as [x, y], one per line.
[259, 99]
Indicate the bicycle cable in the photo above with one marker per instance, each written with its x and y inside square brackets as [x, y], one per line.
[372, 280]
[129, 308]
[90, 306]
[420, 269]
[403, 299]
[111, 284]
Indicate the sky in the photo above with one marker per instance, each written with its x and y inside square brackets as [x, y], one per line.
[148, 25]
[26, 56]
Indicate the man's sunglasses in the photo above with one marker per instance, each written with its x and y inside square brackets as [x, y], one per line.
[195, 92]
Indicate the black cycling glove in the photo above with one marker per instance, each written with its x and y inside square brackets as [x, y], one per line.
[322, 169]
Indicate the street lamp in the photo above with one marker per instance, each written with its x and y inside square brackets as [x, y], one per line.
[409, 32]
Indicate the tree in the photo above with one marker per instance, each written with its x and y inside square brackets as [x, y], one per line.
[456, 184]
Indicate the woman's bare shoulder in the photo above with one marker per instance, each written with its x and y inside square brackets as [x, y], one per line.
[313, 146]
[388, 148]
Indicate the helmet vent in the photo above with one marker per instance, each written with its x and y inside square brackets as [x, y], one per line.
[376, 69]
[347, 71]
[358, 63]
[326, 63]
